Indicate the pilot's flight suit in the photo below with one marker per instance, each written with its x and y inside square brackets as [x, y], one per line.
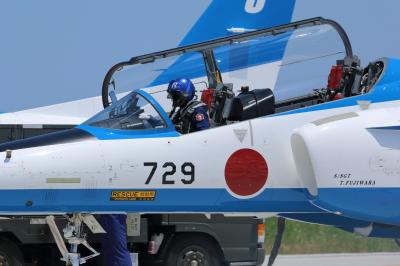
[191, 118]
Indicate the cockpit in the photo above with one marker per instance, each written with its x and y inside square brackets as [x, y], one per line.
[240, 77]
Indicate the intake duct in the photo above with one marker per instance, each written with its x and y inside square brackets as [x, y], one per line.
[349, 163]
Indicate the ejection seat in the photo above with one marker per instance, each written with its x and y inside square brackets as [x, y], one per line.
[250, 104]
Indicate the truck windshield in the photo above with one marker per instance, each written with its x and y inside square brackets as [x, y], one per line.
[131, 112]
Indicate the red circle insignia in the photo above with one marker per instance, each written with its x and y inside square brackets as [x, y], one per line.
[246, 172]
[199, 117]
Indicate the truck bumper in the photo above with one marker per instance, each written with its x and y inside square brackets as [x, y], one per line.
[258, 262]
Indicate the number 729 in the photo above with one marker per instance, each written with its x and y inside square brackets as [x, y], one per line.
[187, 169]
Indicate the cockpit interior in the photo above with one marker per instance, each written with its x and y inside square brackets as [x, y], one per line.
[240, 77]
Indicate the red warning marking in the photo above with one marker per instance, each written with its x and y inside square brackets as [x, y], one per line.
[246, 172]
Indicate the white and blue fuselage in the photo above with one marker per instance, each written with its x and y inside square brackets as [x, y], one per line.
[340, 157]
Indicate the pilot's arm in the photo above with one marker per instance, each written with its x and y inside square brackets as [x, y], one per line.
[200, 119]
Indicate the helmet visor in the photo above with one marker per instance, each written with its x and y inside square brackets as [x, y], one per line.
[177, 98]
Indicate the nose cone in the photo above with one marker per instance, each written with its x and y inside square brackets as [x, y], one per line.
[41, 172]
[25, 161]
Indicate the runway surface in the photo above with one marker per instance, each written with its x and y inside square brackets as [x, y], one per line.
[342, 259]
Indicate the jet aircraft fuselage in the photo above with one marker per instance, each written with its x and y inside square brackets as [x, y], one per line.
[338, 156]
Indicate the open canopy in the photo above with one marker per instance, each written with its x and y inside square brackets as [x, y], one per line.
[290, 59]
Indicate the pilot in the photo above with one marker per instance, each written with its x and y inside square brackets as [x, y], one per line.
[192, 115]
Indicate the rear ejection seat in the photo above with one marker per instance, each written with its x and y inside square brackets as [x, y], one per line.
[251, 104]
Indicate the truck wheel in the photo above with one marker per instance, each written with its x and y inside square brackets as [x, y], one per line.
[10, 254]
[193, 250]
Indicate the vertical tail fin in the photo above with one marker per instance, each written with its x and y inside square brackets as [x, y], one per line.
[224, 18]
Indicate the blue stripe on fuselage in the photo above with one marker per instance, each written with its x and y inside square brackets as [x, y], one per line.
[387, 128]
[166, 200]
[110, 134]
[363, 203]
[369, 202]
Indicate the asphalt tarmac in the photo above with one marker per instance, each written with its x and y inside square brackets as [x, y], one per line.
[341, 259]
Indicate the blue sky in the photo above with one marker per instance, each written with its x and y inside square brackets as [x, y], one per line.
[53, 51]
[56, 51]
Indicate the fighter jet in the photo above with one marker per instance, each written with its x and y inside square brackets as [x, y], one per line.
[315, 142]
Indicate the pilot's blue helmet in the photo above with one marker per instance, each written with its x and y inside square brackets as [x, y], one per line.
[181, 90]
